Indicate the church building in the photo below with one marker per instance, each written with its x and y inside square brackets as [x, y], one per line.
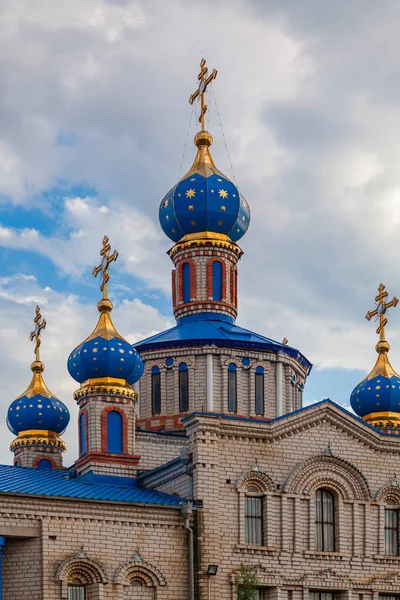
[197, 460]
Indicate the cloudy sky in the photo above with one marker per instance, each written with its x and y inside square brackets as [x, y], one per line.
[93, 122]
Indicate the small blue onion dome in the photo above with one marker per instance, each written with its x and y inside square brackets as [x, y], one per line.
[204, 200]
[377, 397]
[105, 353]
[37, 408]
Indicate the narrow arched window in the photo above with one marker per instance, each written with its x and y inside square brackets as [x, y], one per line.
[155, 391]
[324, 521]
[82, 434]
[76, 591]
[232, 388]
[254, 520]
[114, 432]
[186, 281]
[391, 529]
[44, 463]
[259, 391]
[217, 280]
[183, 388]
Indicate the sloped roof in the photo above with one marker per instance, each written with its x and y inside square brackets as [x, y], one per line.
[65, 484]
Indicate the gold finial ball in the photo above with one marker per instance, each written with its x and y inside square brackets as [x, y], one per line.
[37, 366]
[104, 305]
[203, 138]
[382, 347]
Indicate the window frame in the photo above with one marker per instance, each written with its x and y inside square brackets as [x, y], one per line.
[183, 374]
[232, 388]
[254, 535]
[325, 522]
[155, 388]
[394, 510]
[80, 586]
[186, 287]
[259, 378]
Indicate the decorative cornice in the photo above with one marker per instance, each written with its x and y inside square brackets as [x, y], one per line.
[92, 388]
[204, 239]
[35, 437]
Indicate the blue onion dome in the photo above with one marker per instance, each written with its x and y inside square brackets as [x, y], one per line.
[377, 398]
[204, 200]
[37, 408]
[105, 354]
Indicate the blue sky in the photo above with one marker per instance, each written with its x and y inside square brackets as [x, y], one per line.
[93, 122]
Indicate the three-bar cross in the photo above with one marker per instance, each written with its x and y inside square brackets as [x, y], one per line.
[103, 266]
[204, 82]
[380, 310]
[40, 324]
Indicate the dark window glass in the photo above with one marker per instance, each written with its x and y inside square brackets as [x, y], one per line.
[259, 391]
[217, 280]
[232, 388]
[254, 521]
[82, 433]
[114, 432]
[156, 390]
[44, 464]
[183, 388]
[316, 595]
[324, 521]
[392, 531]
[186, 282]
[76, 592]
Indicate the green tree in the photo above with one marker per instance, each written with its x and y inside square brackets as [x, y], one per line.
[246, 582]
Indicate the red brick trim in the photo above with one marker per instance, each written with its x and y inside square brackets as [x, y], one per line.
[104, 428]
[83, 412]
[107, 458]
[221, 260]
[39, 458]
[234, 286]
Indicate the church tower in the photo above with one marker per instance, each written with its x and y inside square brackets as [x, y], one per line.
[106, 366]
[376, 399]
[207, 362]
[37, 417]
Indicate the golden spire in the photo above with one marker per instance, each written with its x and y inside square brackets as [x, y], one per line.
[103, 266]
[40, 324]
[382, 365]
[204, 82]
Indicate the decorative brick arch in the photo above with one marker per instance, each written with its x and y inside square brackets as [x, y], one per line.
[390, 491]
[210, 263]
[255, 478]
[44, 457]
[83, 568]
[124, 428]
[192, 278]
[139, 569]
[327, 471]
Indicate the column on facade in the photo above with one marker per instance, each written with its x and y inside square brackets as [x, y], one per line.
[210, 382]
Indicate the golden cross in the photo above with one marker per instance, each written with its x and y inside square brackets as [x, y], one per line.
[105, 263]
[40, 324]
[204, 82]
[380, 310]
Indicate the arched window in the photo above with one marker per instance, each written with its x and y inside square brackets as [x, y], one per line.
[253, 518]
[391, 529]
[186, 281]
[44, 463]
[183, 388]
[259, 391]
[155, 391]
[324, 521]
[82, 433]
[76, 591]
[292, 394]
[114, 432]
[232, 388]
[17, 463]
[217, 280]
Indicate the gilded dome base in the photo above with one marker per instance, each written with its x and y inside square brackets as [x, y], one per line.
[32, 437]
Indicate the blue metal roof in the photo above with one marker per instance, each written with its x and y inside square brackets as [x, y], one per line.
[65, 484]
[214, 328]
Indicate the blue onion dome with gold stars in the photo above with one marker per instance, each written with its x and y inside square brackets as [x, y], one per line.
[204, 200]
[377, 397]
[37, 408]
[105, 353]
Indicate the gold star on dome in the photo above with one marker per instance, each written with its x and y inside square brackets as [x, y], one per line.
[193, 223]
[191, 207]
[166, 203]
[193, 179]
[212, 191]
[223, 193]
[173, 230]
[220, 223]
[190, 193]
[167, 218]
[243, 218]
[223, 208]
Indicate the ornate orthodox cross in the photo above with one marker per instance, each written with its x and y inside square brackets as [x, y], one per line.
[103, 266]
[381, 309]
[40, 324]
[204, 82]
